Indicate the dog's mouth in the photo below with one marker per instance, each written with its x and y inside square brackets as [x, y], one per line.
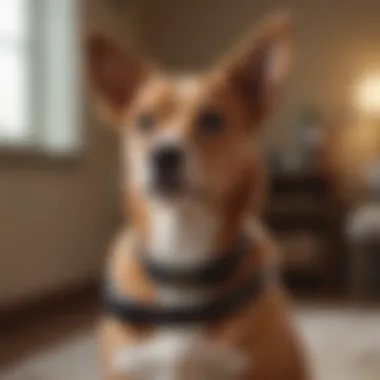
[169, 184]
[171, 187]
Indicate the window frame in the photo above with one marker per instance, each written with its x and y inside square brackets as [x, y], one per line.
[49, 28]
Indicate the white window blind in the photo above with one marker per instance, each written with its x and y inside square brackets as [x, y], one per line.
[40, 89]
[14, 65]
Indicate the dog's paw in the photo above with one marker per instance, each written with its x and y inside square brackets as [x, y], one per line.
[210, 361]
[135, 362]
[179, 356]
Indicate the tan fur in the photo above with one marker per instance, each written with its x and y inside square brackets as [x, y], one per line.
[229, 172]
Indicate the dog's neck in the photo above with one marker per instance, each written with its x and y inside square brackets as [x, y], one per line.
[186, 235]
[181, 235]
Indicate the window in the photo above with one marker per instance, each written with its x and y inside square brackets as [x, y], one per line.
[39, 75]
[13, 69]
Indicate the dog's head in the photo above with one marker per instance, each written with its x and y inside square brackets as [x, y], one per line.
[191, 137]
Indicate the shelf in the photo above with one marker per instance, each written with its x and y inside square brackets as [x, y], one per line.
[303, 204]
[299, 184]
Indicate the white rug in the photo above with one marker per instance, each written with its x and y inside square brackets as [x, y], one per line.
[344, 345]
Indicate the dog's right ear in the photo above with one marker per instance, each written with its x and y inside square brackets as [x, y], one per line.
[114, 76]
[260, 66]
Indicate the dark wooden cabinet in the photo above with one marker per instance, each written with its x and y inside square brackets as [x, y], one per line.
[305, 218]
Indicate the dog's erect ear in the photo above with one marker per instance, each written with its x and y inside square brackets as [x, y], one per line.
[114, 76]
[259, 68]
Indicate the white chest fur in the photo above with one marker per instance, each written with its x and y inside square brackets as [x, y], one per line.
[181, 235]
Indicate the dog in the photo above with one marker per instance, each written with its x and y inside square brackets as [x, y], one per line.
[191, 285]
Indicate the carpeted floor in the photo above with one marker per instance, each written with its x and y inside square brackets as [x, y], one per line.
[343, 344]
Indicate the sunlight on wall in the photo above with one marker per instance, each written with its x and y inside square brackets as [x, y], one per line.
[368, 95]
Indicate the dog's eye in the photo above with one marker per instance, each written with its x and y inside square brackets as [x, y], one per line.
[145, 122]
[210, 122]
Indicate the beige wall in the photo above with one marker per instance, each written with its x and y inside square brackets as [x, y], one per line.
[56, 219]
[58, 216]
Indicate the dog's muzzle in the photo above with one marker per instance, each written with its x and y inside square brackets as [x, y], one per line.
[167, 164]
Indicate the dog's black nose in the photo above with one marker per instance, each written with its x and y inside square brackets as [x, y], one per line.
[167, 162]
[167, 159]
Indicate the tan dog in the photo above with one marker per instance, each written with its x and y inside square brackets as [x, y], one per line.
[193, 184]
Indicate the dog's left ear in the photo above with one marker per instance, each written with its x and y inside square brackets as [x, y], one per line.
[113, 74]
[260, 67]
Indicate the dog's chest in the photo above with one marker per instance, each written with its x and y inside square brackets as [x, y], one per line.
[181, 238]
[183, 353]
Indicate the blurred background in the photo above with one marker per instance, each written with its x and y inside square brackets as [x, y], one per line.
[59, 191]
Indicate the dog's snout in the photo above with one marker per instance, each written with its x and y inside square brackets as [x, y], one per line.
[168, 159]
[167, 164]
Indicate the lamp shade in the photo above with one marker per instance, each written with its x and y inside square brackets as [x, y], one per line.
[368, 95]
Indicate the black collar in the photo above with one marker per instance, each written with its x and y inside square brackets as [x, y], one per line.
[208, 274]
[131, 311]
